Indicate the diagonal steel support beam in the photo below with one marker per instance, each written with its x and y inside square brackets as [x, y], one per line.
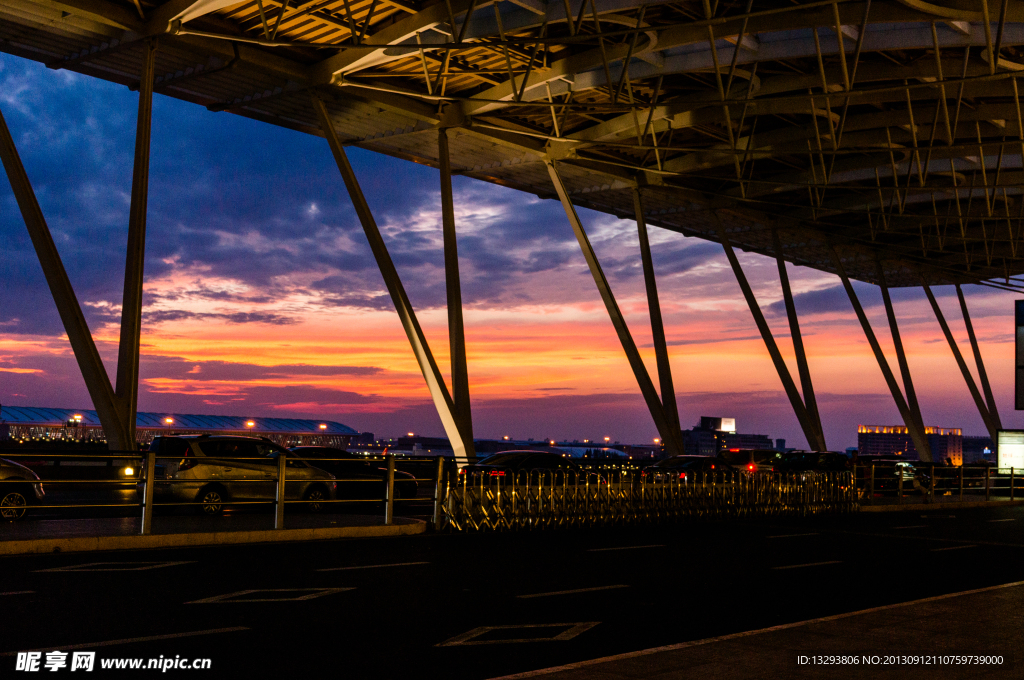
[670, 436]
[127, 390]
[968, 378]
[993, 412]
[810, 402]
[668, 393]
[901, 355]
[811, 432]
[917, 433]
[456, 329]
[431, 374]
[89, 362]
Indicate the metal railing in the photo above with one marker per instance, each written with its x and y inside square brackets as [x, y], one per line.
[159, 490]
[537, 499]
[894, 483]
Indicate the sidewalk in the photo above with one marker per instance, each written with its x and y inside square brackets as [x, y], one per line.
[984, 622]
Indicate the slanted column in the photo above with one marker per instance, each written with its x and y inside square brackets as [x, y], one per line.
[453, 288]
[811, 432]
[89, 362]
[435, 383]
[127, 391]
[668, 394]
[901, 355]
[993, 430]
[916, 431]
[670, 435]
[990, 399]
[804, 370]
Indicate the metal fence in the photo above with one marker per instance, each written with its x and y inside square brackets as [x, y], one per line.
[925, 483]
[539, 499]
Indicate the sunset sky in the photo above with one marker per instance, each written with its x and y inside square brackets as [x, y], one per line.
[262, 297]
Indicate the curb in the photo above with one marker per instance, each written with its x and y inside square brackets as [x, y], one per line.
[949, 505]
[139, 542]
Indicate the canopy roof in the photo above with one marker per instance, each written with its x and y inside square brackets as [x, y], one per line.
[885, 130]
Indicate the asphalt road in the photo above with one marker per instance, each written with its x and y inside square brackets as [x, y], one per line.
[434, 605]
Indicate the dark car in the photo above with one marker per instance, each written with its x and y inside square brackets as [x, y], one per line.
[692, 468]
[15, 495]
[537, 466]
[752, 460]
[816, 461]
[358, 478]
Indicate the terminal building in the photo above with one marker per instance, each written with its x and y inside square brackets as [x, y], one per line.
[895, 441]
[27, 424]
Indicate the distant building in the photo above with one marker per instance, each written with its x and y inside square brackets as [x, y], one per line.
[895, 440]
[712, 435]
[81, 425]
[978, 449]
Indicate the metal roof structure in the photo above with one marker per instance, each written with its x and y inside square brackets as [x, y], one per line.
[886, 129]
[879, 140]
[55, 417]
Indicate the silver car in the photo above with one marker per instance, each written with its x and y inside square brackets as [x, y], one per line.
[215, 471]
[14, 497]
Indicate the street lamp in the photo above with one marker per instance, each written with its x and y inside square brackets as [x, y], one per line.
[168, 421]
[607, 439]
[250, 424]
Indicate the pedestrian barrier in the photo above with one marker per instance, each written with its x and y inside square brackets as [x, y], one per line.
[542, 499]
[925, 483]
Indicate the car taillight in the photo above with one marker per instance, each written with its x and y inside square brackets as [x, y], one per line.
[462, 471]
[188, 462]
[682, 475]
[751, 467]
[497, 473]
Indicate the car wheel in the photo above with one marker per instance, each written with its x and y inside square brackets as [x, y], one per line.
[212, 499]
[315, 498]
[12, 505]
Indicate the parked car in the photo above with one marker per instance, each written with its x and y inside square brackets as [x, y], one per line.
[215, 470]
[685, 468]
[537, 465]
[355, 473]
[814, 461]
[14, 496]
[752, 460]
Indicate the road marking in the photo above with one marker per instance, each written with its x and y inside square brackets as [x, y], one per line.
[748, 633]
[570, 592]
[19, 592]
[312, 594]
[103, 566]
[125, 641]
[573, 629]
[955, 547]
[373, 566]
[628, 547]
[809, 564]
[790, 535]
[1002, 520]
[913, 526]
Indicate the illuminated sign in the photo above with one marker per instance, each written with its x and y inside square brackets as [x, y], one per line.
[728, 425]
[1010, 449]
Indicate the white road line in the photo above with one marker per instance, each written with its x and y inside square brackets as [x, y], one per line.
[1002, 520]
[913, 526]
[786, 626]
[125, 641]
[373, 566]
[809, 564]
[790, 535]
[19, 592]
[570, 592]
[628, 547]
[955, 547]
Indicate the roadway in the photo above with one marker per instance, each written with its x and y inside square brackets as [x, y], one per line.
[480, 606]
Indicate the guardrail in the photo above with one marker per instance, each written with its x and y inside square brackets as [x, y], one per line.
[547, 499]
[264, 482]
[894, 483]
